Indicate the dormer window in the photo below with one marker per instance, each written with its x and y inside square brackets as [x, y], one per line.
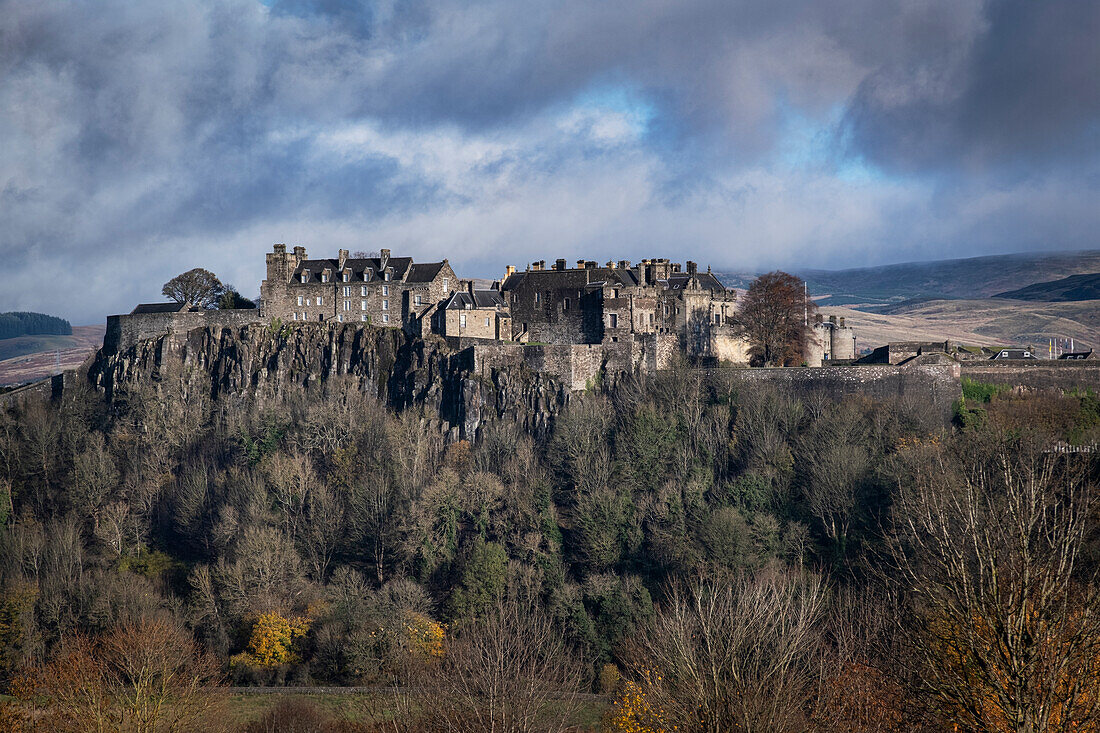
[368, 274]
[347, 276]
[387, 276]
[324, 277]
[305, 276]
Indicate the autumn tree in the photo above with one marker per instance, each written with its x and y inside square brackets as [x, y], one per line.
[143, 676]
[197, 288]
[726, 656]
[1002, 607]
[774, 318]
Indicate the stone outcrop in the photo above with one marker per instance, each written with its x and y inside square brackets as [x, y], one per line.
[268, 362]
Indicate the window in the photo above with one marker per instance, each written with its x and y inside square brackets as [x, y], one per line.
[347, 291]
[362, 305]
[299, 300]
[486, 323]
[538, 298]
[565, 305]
[651, 319]
[444, 285]
[305, 276]
[296, 312]
[324, 277]
[417, 300]
[614, 320]
[320, 316]
[347, 277]
[363, 290]
[385, 305]
[462, 320]
[368, 274]
[320, 300]
[347, 305]
[385, 290]
[340, 318]
[363, 317]
[717, 318]
[615, 293]
[387, 278]
[385, 318]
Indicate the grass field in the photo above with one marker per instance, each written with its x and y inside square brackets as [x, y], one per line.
[244, 708]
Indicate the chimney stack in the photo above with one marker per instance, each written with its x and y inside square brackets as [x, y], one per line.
[580, 264]
[560, 264]
[300, 252]
[343, 258]
[692, 268]
[280, 249]
[509, 271]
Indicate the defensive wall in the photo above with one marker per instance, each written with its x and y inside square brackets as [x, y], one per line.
[50, 388]
[124, 331]
[578, 365]
[935, 386]
[1039, 374]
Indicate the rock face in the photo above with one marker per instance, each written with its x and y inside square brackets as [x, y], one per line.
[268, 362]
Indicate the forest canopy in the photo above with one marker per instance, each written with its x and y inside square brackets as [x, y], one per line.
[688, 551]
[21, 323]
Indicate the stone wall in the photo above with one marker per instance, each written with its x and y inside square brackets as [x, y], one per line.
[124, 331]
[1036, 375]
[935, 386]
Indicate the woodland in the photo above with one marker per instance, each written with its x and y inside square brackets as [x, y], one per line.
[679, 551]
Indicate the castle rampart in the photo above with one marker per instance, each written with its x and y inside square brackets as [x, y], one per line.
[124, 331]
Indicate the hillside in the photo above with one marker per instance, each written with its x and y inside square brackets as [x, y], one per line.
[973, 277]
[28, 358]
[987, 322]
[1075, 287]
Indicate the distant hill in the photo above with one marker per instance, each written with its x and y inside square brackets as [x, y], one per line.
[985, 322]
[27, 358]
[1072, 288]
[21, 323]
[973, 277]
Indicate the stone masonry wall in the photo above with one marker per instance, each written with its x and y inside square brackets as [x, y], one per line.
[124, 331]
[935, 386]
[1037, 375]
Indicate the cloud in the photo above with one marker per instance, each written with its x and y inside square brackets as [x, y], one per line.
[144, 139]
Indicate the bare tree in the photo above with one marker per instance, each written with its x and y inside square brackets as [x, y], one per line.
[774, 318]
[1004, 619]
[509, 671]
[197, 288]
[737, 656]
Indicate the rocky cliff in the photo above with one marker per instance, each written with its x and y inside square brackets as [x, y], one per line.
[267, 362]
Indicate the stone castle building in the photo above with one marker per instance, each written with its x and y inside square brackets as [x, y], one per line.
[593, 304]
[589, 304]
[384, 290]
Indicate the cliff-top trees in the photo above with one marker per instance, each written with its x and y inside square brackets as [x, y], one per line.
[197, 288]
[773, 317]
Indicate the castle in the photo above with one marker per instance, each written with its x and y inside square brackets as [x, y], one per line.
[590, 304]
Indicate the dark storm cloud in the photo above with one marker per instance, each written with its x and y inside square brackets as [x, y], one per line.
[1023, 90]
[138, 139]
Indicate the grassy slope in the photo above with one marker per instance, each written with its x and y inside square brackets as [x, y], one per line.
[989, 322]
[1075, 287]
[28, 358]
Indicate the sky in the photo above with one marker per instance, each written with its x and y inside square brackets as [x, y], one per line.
[139, 140]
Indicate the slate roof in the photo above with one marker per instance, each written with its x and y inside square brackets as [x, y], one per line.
[480, 299]
[159, 308]
[424, 273]
[368, 265]
[1013, 354]
[707, 281]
